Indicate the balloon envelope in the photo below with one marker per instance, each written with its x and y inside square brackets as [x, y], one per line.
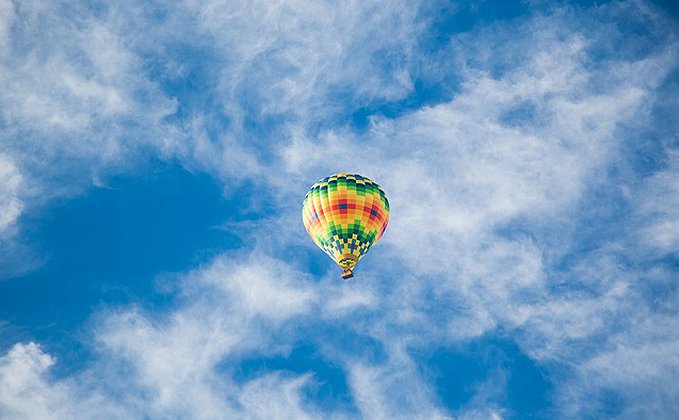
[345, 215]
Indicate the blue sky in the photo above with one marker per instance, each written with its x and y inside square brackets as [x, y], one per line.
[153, 161]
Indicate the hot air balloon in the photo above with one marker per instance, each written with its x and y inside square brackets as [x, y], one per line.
[345, 215]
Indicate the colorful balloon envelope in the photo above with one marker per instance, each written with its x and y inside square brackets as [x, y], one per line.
[345, 215]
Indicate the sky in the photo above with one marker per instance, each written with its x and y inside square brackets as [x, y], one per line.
[154, 157]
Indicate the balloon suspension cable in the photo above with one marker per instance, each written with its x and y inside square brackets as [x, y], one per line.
[347, 274]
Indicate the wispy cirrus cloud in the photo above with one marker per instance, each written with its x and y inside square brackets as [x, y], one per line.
[10, 204]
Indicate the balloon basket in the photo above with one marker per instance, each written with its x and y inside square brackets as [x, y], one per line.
[347, 274]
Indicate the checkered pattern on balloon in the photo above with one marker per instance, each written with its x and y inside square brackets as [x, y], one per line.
[345, 215]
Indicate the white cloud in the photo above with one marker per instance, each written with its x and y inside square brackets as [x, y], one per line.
[391, 391]
[273, 397]
[7, 17]
[10, 203]
[343, 299]
[230, 305]
[75, 100]
[659, 206]
[84, 79]
[28, 392]
[637, 367]
[294, 57]
[20, 374]
[260, 286]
